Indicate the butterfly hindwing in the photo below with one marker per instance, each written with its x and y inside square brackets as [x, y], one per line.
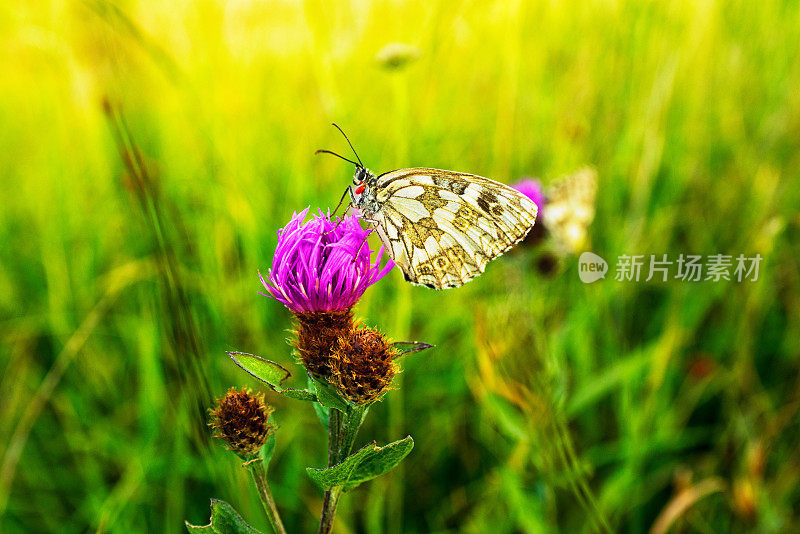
[426, 250]
[443, 227]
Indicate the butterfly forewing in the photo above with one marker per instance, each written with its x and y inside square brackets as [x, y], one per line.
[443, 227]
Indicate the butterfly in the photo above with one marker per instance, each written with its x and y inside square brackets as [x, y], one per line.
[440, 227]
[569, 209]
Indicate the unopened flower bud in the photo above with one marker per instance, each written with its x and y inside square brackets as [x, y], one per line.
[241, 419]
[362, 365]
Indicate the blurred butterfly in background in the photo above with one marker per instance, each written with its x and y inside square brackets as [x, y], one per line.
[440, 227]
[566, 208]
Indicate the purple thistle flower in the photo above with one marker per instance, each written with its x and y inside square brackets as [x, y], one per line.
[533, 189]
[322, 265]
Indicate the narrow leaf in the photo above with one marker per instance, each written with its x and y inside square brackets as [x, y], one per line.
[268, 449]
[380, 461]
[339, 474]
[408, 347]
[298, 394]
[271, 373]
[328, 396]
[323, 414]
[224, 520]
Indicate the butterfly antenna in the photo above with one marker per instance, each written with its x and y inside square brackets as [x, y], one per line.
[349, 143]
[338, 156]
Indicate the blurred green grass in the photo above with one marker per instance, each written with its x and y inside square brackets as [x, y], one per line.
[548, 405]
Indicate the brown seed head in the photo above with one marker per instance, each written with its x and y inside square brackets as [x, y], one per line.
[241, 419]
[362, 365]
[317, 334]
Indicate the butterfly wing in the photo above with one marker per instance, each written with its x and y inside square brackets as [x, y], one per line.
[443, 227]
[570, 209]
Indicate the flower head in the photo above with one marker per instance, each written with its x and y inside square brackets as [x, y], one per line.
[241, 419]
[533, 189]
[317, 334]
[322, 265]
[362, 365]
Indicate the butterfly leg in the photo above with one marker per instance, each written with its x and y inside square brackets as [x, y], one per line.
[347, 190]
[337, 222]
[371, 222]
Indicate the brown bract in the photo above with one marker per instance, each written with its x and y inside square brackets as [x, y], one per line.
[241, 419]
[362, 365]
[317, 334]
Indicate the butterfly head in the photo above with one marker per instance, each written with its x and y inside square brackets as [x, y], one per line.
[363, 180]
[360, 177]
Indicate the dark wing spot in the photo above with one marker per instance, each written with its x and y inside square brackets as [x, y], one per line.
[453, 183]
[489, 197]
[487, 201]
[458, 186]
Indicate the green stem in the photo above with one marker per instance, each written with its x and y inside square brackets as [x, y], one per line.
[256, 468]
[342, 430]
[329, 510]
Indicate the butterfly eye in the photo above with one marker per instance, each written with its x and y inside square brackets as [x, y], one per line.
[360, 189]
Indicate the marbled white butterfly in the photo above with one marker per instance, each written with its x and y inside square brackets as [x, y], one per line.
[440, 227]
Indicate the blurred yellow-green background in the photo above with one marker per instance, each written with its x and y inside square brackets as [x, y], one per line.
[548, 405]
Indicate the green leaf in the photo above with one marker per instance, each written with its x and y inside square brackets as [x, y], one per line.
[407, 347]
[224, 520]
[271, 373]
[268, 449]
[339, 474]
[298, 394]
[367, 463]
[381, 461]
[328, 396]
[323, 414]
